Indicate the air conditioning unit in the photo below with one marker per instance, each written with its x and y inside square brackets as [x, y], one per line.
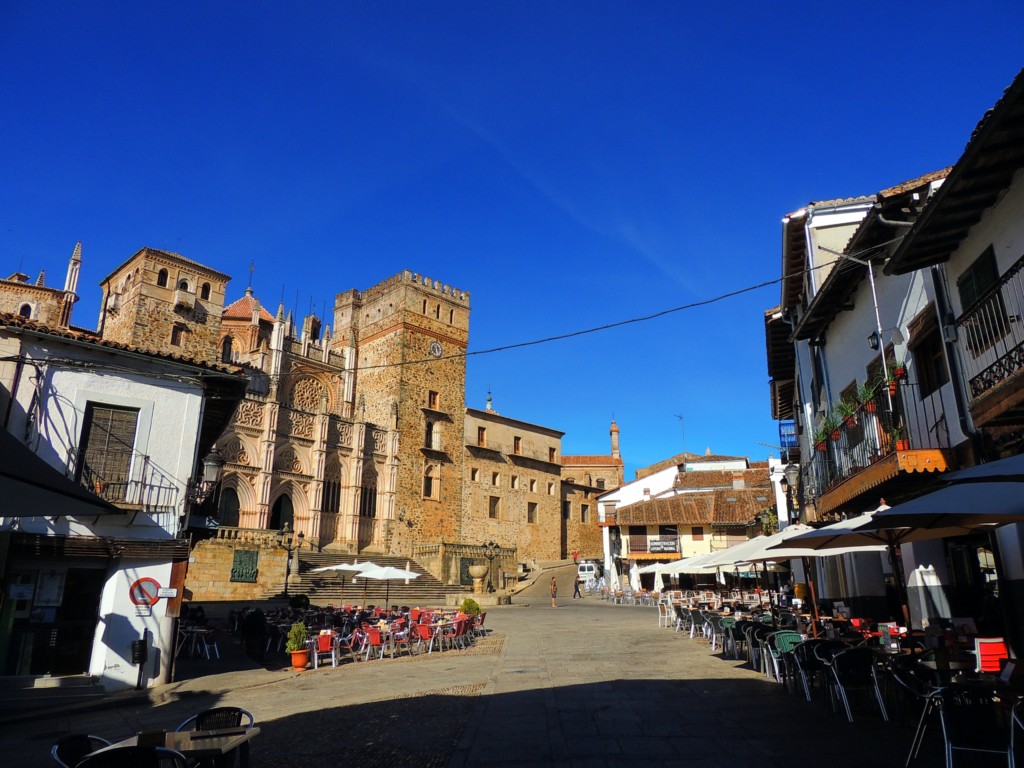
[949, 333]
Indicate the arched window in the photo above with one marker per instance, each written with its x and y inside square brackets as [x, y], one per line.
[26, 311]
[225, 350]
[161, 278]
[183, 285]
[368, 501]
[451, 317]
[282, 513]
[204, 292]
[227, 512]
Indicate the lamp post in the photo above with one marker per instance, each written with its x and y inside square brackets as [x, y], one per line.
[290, 544]
[198, 491]
[490, 552]
[790, 482]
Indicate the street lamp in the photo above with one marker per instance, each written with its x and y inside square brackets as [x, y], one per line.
[490, 552]
[284, 540]
[789, 482]
[198, 491]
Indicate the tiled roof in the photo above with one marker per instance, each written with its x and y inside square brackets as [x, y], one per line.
[686, 509]
[673, 461]
[920, 181]
[738, 507]
[721, 478]
[167, 255]
[10, 320]
[697, 459]
[721, 507]
[582, 460]
[243, 307]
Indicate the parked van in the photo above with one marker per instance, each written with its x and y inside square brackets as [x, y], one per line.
[586, 571]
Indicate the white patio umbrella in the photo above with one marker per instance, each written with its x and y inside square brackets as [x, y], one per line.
[343, 568]
[386, 573]
[690, 565]
[634, 577]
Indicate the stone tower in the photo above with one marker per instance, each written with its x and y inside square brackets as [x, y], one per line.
[161, 301]
[407, 338]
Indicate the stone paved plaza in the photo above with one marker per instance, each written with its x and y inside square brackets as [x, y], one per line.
[586, 684]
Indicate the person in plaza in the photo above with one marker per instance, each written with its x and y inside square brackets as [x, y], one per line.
[576, 588]
[554, 593]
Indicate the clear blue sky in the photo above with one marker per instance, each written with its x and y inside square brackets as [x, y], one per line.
[570, 164]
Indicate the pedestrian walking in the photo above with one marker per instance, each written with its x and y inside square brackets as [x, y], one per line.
[554, 593]
[576, 588]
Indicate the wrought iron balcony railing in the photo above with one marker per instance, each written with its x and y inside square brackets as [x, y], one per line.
[875, 431]
[134, 483]
[991, 332]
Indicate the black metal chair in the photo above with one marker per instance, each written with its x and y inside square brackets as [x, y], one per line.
[69, 750]
[135, 757]
[222, 717]
[853, 669]
[973, 720]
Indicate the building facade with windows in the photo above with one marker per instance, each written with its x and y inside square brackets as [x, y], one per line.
[512, 485]
[89, 417]
[902, 363]
[683, 506]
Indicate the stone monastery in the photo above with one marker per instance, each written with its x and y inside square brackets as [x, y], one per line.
[353, 432]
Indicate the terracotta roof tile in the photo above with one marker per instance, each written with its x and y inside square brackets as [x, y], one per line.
[243, 307]
[10, 320]
[738, 507]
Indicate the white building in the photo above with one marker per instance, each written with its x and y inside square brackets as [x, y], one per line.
[123, 431]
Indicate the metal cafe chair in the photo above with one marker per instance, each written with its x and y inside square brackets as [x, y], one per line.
[973, 720]
[69, 750]
[222, 717]
[135, 757]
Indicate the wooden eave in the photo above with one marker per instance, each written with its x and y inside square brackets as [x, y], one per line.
[993, 155]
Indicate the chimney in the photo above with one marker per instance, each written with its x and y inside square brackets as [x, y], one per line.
[738, 482]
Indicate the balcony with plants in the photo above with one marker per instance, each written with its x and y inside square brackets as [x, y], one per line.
[868, 444]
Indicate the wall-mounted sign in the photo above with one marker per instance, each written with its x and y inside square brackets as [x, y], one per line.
[144, 591]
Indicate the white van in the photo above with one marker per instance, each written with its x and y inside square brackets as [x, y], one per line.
[586, 571]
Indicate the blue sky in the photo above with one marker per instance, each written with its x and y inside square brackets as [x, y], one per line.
[570, 164]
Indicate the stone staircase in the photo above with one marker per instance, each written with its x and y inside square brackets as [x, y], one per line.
[325, 588]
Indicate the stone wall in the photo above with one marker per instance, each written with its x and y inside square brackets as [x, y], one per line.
[209, 570]
[582, 536]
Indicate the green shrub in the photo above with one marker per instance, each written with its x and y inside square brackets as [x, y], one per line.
[299, 601]
[297, 637]
[470, 607]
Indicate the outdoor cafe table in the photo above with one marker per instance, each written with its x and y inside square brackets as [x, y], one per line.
[218, 744]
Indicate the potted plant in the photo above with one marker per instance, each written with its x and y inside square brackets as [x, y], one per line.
[898, 439]
[297, 645]
[470, 607]
[891, 381]
[847, 411]
[866, 397]
[818, 437]
[831, 426]
[899, 370]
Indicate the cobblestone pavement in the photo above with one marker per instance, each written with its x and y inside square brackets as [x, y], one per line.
[586, 684]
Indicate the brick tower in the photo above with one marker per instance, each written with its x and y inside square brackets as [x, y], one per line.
[409, 336]
[161, 301]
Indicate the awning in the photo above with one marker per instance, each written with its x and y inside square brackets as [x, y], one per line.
[29, 487]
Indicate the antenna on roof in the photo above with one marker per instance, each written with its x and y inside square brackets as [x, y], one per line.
[682, 429]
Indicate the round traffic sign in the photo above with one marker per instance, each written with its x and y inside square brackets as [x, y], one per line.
[144, 591]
